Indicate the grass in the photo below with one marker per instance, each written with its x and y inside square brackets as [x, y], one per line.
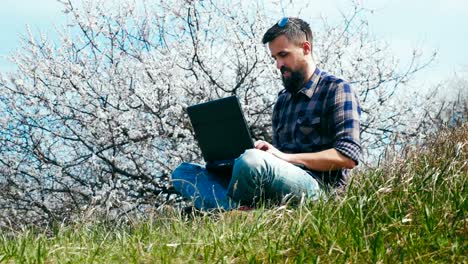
[412, 210]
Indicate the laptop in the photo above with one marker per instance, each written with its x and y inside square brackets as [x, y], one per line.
[221, 131]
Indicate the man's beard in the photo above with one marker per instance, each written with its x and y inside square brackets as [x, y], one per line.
[295, 81]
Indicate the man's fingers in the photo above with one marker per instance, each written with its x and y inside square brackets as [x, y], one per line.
[261, 145]
[259, 142]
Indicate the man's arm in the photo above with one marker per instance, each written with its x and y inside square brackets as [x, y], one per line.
[325, 160]
[343, 104]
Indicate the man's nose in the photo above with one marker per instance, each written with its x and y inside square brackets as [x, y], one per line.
[279, 64]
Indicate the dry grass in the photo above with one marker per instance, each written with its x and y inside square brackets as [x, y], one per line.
[413, 210]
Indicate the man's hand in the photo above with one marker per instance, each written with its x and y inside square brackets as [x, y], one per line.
[267, 147]
[324, 160]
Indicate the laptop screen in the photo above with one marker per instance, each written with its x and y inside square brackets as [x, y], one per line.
[220, 129]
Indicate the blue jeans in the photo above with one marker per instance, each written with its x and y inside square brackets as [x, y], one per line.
[256, 176]
[206, 189]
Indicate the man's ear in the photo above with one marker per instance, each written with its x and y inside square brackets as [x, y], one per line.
[307, 47]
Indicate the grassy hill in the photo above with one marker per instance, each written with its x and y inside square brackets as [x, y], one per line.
[408, 210]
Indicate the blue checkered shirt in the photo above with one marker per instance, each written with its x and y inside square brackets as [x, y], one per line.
[324, 114]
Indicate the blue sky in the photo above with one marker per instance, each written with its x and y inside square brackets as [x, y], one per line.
[405, 24]
[427, 25]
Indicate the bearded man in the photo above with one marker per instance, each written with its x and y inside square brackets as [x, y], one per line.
[315, 135]
[315, 127]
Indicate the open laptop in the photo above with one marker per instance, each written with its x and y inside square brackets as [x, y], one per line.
[221, 132]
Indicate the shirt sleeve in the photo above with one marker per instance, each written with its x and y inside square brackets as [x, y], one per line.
[346, 114]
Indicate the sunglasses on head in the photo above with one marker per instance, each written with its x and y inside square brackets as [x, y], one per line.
[285, 20]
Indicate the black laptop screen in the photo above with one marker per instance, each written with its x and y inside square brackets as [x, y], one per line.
[220, 129]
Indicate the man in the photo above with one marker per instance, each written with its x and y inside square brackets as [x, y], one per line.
[315, 127]
[315, 134]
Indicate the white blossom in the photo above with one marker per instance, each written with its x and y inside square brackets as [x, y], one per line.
[98, 120]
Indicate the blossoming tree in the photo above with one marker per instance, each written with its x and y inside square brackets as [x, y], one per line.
[97, 121]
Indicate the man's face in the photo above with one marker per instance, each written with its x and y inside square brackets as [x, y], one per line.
[290, 60]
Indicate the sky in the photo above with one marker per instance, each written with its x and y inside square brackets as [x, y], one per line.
[428, 25]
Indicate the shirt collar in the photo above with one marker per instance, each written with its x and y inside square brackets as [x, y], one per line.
[310, 86]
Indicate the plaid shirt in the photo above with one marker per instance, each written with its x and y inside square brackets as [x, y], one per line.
[322, 115]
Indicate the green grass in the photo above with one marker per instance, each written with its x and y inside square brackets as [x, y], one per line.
[412, 210]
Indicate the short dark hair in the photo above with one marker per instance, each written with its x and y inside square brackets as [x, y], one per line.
[294, 29]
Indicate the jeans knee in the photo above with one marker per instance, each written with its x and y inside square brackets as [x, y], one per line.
[250, 160]
[248, 176]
